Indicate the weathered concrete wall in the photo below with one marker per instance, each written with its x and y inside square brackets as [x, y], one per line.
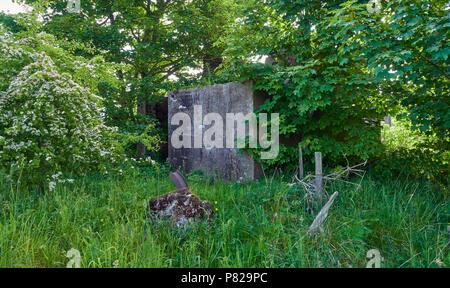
[221, 98]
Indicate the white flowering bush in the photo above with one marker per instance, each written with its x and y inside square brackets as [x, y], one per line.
[51, 127]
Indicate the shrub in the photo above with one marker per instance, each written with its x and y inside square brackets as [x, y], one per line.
[413, 153]
[51, 127]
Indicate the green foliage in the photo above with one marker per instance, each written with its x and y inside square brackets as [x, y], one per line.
[133, 127]
[339, 66]
[404, 49]
[51, 122]
[412, 153]
[10, 23]
[20, 49]
[162, 41]
[89, 71]
[75, 94]
[400, 135]
[322, 96]
[261, 224]
[51, 128]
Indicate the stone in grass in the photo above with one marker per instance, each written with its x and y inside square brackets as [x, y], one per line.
[180, 206]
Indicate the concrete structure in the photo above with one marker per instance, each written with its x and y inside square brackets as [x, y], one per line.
[222, 99]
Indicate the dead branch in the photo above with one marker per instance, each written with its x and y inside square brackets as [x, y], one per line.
[338, 176]
[322, 216]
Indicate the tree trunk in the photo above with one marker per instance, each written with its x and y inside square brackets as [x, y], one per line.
[210, 64]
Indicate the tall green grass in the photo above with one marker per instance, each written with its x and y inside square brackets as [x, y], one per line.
[261, 224]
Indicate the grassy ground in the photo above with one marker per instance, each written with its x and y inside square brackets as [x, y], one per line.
[262, 224]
